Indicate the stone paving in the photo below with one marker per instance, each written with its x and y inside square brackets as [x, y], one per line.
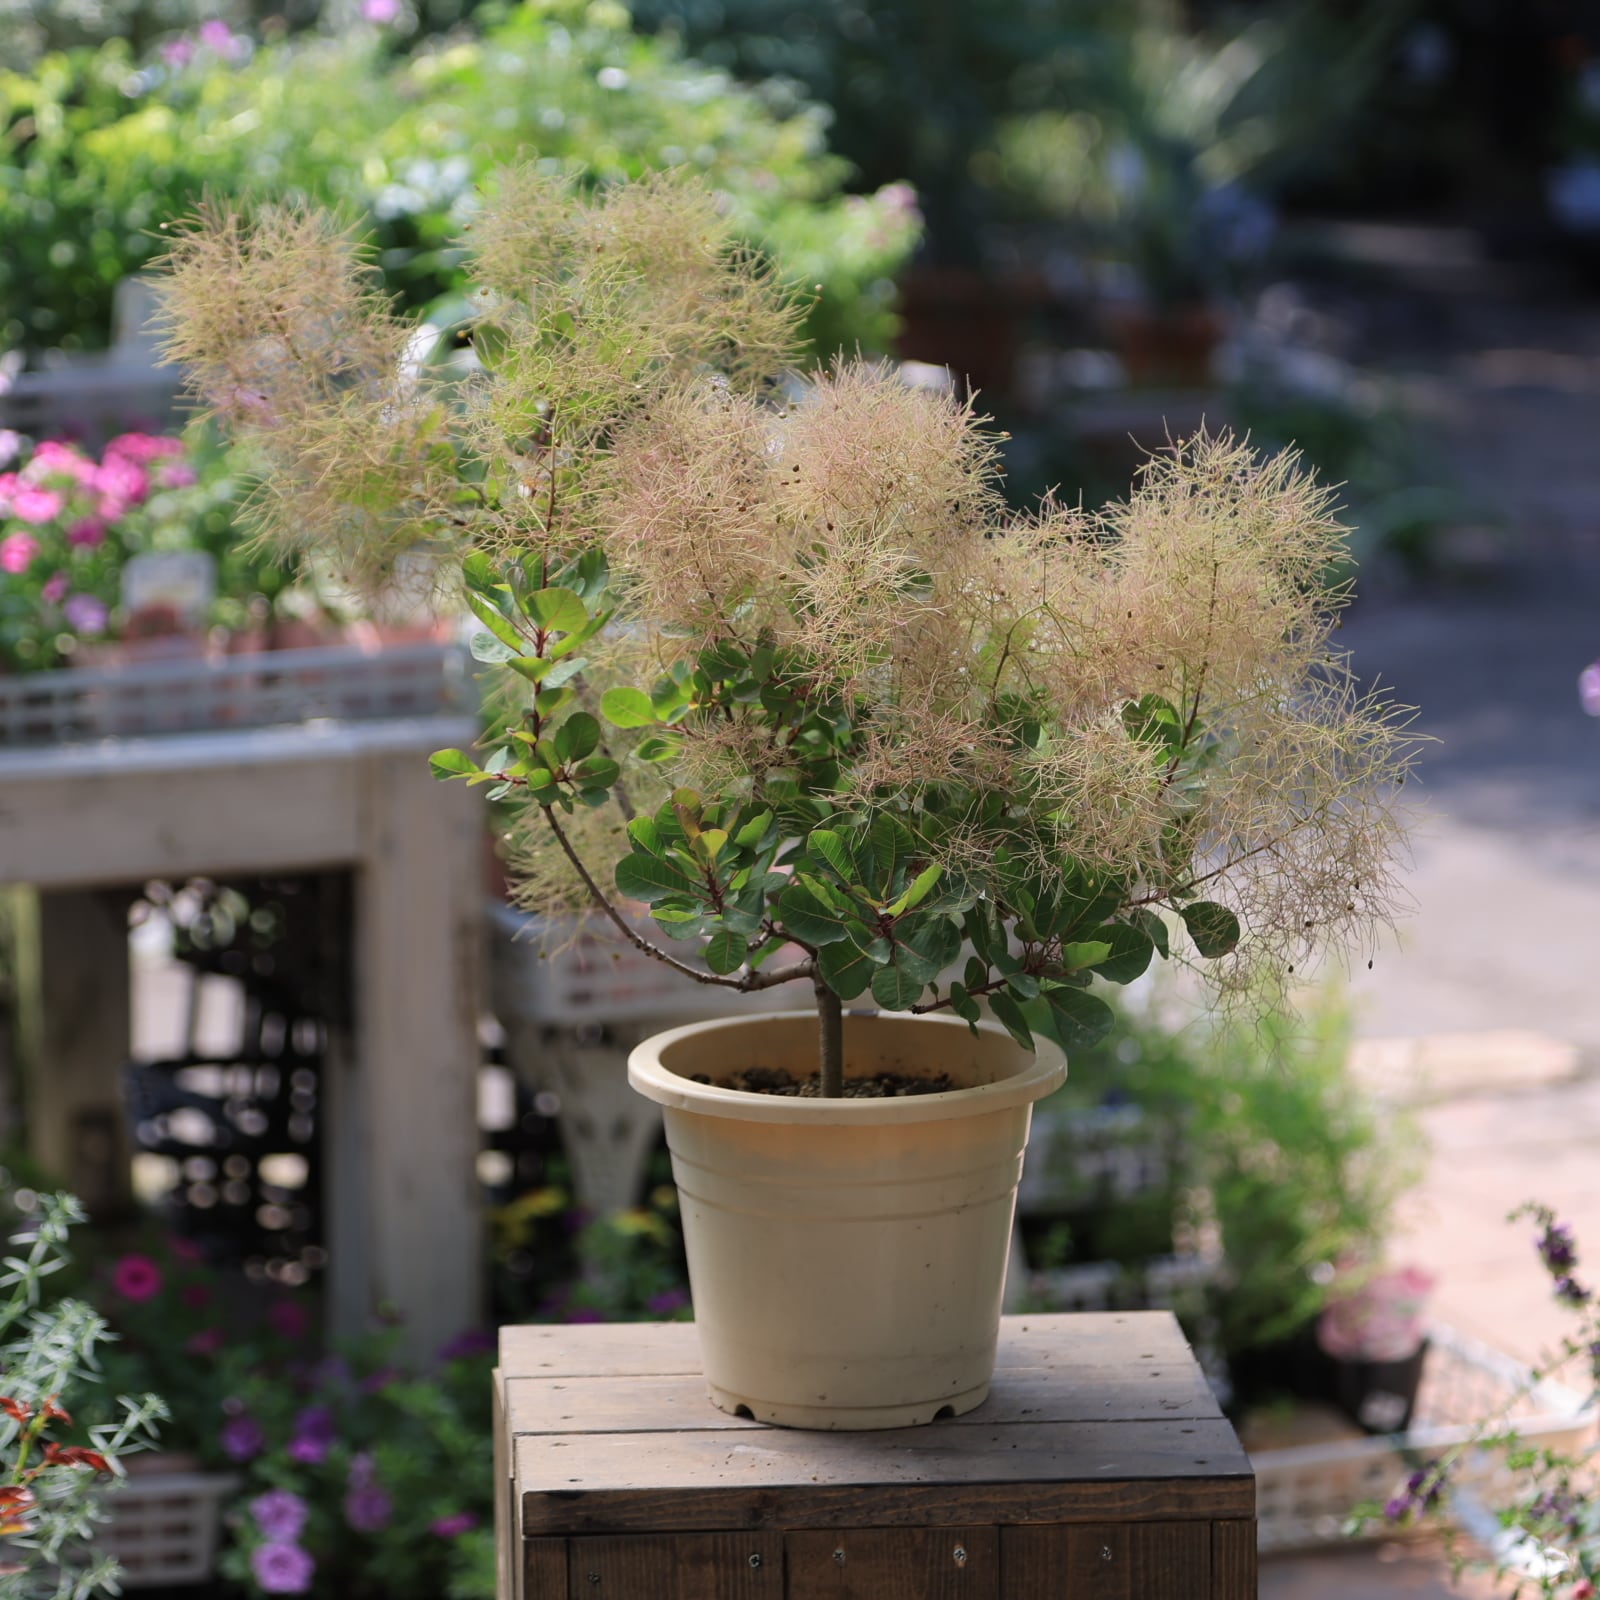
[1485, 1015]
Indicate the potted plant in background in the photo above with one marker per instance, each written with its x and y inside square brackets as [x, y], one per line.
[790, 674]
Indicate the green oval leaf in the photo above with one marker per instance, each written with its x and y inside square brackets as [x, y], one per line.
[627, 708]
[845, 969]
[452, 764]
[1214, 928]
[1081, 1019]
[725, 952]
[895, 989]
[555, 610]
[647, 878]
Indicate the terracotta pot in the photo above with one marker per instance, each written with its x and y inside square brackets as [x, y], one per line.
[1173, 346]
[846, 1257]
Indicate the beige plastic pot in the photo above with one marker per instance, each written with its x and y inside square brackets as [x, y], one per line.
[846, 1257]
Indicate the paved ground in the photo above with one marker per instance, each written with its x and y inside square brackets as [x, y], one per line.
[1488, 1009]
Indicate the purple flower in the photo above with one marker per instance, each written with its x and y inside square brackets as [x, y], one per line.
[582, 1314]
[1557, 1249]
[242, 1438]
[280, 1515]
[308, 1452]
[666, 1304]
[456, 1524]
[178, 52]
[1589, 688]
[85, 614]
[1570, 1292]
[377, 1382]
[315, 1430]
[472, 1342]
[367, 1508]
[282, 1568]
[216, 35]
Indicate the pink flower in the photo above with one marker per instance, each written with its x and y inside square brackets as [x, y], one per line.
[280, 1514]
[456, 1524]
[145, 446]
[242, 1438]
[216, 35]
[56, 457]
[121, 484]
[177, 475]
[17, 551]
[86, 533]
[178, 52]
[36, 505]
[205, 1343]
[380, 10]
[136, 1277]
[55, 589]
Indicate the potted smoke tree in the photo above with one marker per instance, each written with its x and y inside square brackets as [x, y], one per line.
[784, 669]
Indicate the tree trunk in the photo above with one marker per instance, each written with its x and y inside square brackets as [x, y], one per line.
[830, 1016]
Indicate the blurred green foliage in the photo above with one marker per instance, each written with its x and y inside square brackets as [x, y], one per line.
[1297, 1163]
[98, 150]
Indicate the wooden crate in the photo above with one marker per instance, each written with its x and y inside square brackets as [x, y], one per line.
[1100, 1467]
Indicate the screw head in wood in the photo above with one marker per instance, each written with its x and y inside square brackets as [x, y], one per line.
[961, 1555]
[755, 1560]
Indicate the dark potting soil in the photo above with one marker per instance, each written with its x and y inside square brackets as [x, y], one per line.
[880, 1086]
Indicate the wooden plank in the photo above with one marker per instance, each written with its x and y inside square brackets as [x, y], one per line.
[543, 1571]
[1050, 1342]
[1029, 1395]
[894, 1564]
[705, 1566]
[1109, 1561]
[778, 1478]
[1233, 1560]
[79, 1028]
[402, 1115]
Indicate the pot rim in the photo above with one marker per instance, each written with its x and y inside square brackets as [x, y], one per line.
[1045, 1073]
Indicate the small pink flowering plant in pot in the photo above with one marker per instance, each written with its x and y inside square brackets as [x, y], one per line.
[1374, 1329]
[70, 519]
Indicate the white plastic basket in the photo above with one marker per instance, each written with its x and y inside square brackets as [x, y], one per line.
[164, 1527]
[203, 694]
[1305, 1495]
[548, 973]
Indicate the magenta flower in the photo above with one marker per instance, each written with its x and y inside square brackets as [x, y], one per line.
[280, 1515]
[55, 589]
[289, 1319]
[17, 551]
[134, 1277]
[205, 1343]
[380, 11]
[1589, 688]
[121, 484]
[282, 1568]
[86, 533]
[242, 1438]
[85, 614]
[456, 1524]
[145, 446]
[216, 35]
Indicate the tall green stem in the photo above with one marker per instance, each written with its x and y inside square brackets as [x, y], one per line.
[830, 1017]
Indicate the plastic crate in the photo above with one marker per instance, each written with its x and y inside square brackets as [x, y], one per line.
[165, 1527]
[1305, 1495]
[200, 694]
